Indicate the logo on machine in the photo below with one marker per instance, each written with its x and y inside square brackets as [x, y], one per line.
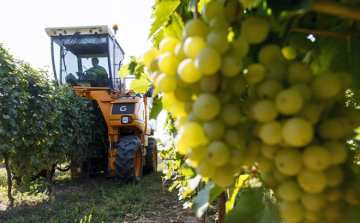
[123, 108]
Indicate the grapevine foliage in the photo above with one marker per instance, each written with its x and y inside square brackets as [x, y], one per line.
[41, 124]
[258, 87]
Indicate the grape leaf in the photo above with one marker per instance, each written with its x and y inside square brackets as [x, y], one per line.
[163, 11]
[156, 108]
[251, 209]
[174, 27]
[205, 197]
[140, 85]
[124, 71]
[233, 193]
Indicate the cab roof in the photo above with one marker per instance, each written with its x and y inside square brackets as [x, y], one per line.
[84, 30]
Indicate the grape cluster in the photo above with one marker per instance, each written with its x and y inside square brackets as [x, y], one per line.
[292, 124]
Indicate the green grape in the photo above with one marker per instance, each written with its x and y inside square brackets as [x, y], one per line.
[255, 29]
[181, 144]
[269, 88]
[265, 111]
[249, 159]
[218, 153]
[233, 139]
[179, 52]
[197, 154]
[269, 53]
[196, 88]
[326, 85]
[188, 106]
[271, 132]
[313, 202]
[346, 80]
[268, 179]
[316, 157]
[288, 161]
[168, 44]
[297, 132]
[300, 42]
[205, 169]
[233, 11]
[183, 94]
[165, 82]
[335, 176]
[255, 129]
[236, 157]
[288, 190]
[168, 97]
[279, 176]
[150, 55]
[289, 102]
[269, 151]
[252, 91]
[193, 134]
[331, 129]
[180, 122]
[177, 109]
[333, 194]
[240, 47]
[333, 211]
[253, 146]
[238, 85]
[338, 151]
[193, 118]
[291, 211]
[219, 23]
[304, 90]
[210, 83]
[207, 106]
[248, 106]
[154, 64]
[168, 63]
[230, 114]
[351, 195]
[224, 176]
[154, 76]
[299, 73]
[195, 27]
[289, 52]
[231, 65]
[276, 70]
[225, 96]
[312, 181]
[181, 83]
[187, 71]
[212, 9]
[352, 114]
[214, 129]
[254, 73]
[208, 61]
[193, 45]
[218, 40]
[264, 163]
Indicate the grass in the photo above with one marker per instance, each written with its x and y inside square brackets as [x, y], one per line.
[103, 199]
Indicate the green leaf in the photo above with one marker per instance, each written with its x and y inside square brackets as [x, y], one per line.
[140, 85]
[156, 108]
[205, 197]
[124, 71]
[174, 27]
[251, 209]
[163, 11]
[232, 194]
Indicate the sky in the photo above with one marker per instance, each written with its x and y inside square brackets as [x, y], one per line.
[22, 29]
[23, 23]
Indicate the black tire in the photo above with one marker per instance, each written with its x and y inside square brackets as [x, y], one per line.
[151, 157]
[129, 160]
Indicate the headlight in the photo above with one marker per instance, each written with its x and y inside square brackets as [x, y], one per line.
[126, 119]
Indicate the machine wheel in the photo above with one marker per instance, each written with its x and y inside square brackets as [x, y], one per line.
[151, 157]
[128, 162]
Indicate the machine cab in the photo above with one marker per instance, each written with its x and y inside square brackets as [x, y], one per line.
[86, 56]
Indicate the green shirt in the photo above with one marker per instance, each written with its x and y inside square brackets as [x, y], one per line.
[98, 71]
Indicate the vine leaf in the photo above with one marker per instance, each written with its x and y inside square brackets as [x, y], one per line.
[334, 54]
[175, 27]
[156, 108]
[232, 193]
[251, 209]
[205, 197]
[163, 11]
[140, 85]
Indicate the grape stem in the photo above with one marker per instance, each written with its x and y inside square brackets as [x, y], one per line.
[196, 14]
[338, 9]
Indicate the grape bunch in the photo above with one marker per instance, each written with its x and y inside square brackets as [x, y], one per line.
[292, 123]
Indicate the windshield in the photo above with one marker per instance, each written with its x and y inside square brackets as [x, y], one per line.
[81, 60]
[124, 85]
